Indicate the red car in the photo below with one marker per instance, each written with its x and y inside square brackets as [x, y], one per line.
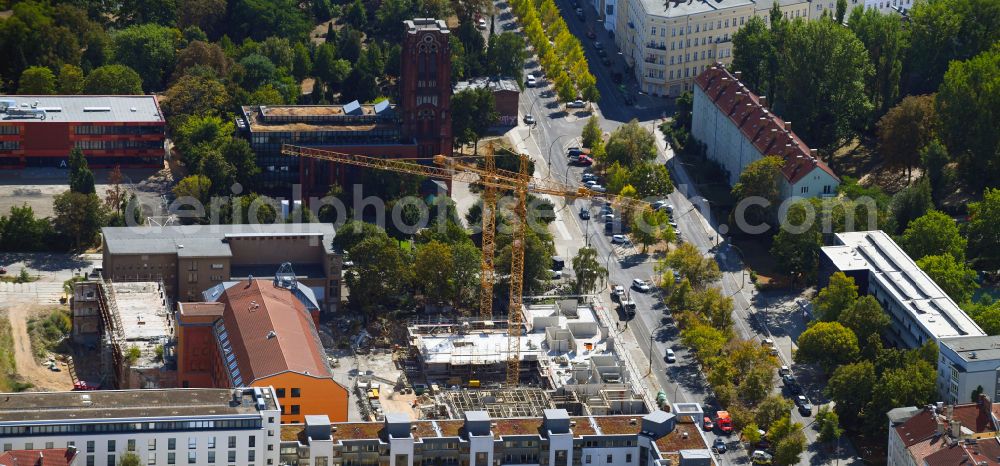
[584, 160]
[708, 425]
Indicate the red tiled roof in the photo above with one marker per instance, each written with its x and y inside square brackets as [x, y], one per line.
[973, 418]
[765, 130]
[982, 453]
[917, 429]
[47, 457]
[256, 309]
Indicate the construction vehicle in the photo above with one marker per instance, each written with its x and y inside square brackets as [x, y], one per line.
[492, 180]
[724, 421]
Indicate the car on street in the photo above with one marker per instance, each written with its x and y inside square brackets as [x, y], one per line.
[719, 445]
[640, 285]
[618, 239]
[584, 214]
[598, 45]
[510, 25]
[784, 370]
[663, 204]
[481, 24]
[529, 120]
[672, 358]
[708, 425]
[531, 81]
[590, 183]
[580, 15]
[584, 160]
[805, 408]
[598, 188]
[574, 151]
[576, 104]
[555, 274]
[761, 457]
[617, 292]
[589, 176]
[591, 34]
[608, 217]
[628, 308]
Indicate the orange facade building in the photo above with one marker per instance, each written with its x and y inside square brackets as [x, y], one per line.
[259, 333]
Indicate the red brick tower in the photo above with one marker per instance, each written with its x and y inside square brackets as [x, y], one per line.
[425, 86]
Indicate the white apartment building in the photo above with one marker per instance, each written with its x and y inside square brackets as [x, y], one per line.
[738, 129]
[163, 427]
[555, 439]
[966, 364]
[670, 42]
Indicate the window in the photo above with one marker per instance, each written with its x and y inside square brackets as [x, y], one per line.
[322, 461]
[211, 457]
[628, 457]
[652, 31]
[295, 409]
[171, 458]
[90, 459]
[280, 392]
[251, 455]
[253, 441]
[111, 446]
[211, 442]
[192, 443]
[151, 445]
[8, 447]
[90, 446]
[827, 189]
[232, 441]
[805, 189]
[587, 459]
[112, 459]
[171, 443]
[611, 459]
[296, 392]
[50, 445]
[232, 456]
[192, 457]
[151, 459]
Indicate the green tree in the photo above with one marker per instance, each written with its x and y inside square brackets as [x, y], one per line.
[841, 11]
[822, 81]
[357, 15]
[934, 158]
[433, 269]
[149, 49]
[591, 132]
[21, 231]
[751, 433]
[772, 409]
[70, 80]
[473, 112]
[913, 384]
[651, 179]
[911, 203]
[954, 277]
[630, 145]
[130, 458]
[865, 318]
[797, 244]
[260, 19]
[380, 271]
[195, 95]
[466, 258]
[78, 217]
[354, 231]
[986, 314]
[839, 295]
[692, 265]
[81, 179]
[789, 449]
[753, 55]
[934, 233]
[588, 270]
[906, 129]
[651, 227]
[703, 339]
[969, 88]
[266, 95]
[886, 41]
[200, 55]
[204, 14]
[196, 187]
[983, 230]
[37, 80]
[302, 62]
[113, 80]
[237, 152]
[829, 425]
[390, 16]
[850, 388]
[760, 179]
[828, 344]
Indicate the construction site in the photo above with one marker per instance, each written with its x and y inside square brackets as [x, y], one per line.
[131, 328]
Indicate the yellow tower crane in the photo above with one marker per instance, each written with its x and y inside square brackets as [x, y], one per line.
[491, 179]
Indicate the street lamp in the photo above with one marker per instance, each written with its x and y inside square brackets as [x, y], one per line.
[650, 355]
[549, 152]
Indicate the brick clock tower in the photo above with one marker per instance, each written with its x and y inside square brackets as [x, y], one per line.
[425, 86]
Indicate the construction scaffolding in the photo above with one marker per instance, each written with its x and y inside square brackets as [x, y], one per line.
[499, 403]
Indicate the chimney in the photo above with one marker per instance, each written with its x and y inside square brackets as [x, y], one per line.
[948, 411]
[763, 101]
[956, 429]
[737, 74]
[938, 426]
[788, 126]
[814, 153]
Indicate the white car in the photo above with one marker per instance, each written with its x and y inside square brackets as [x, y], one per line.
[671, 357]
[529, 120]
[607, 217]
[481, 24]
[599, 188]
[619, 239]
[618, 290]
[640, 285]
[531, 81]
[576, 104]
[589, 183]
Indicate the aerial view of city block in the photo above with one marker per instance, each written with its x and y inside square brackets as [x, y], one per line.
[499, 232]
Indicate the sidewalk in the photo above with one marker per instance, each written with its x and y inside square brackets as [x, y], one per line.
[635, 360]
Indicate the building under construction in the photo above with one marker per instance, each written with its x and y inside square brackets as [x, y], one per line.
[131, 326]
[568, 361]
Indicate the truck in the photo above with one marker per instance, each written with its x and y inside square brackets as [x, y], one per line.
[724, 421]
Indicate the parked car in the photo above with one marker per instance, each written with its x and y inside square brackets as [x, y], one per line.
[608, 217]
[598, 188]
[672, 358]
[719, 445]
[555, 274]
[584, 214]
[574, 151]
[481, 24]
[761, 457]
[589, 176]
[584, 160]
[617, 292]
[509, 25]
[529, 120]
[805, 408]
[640, 285]
[784, 370]
[708, 425]
[663, 205]
[618, 239]
[576, 104]
[598, 45]
[591, 34]
[531, 81]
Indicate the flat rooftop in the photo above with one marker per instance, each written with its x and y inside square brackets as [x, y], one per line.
[678, 8]
[974, 348]
[87, 108]
[921, 297]
[503, 84]
[81, 406]
[205, 240]
[354, 116]
[425, 24]
[146, 317]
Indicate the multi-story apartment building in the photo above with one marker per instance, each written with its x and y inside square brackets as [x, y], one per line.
[556, 439]
[41, 130]
[192, 258]
[738, 129]
[668, 43]
[945, 435]
[163, 427]
[967, 366]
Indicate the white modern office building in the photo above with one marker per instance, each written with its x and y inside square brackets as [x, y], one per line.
[968, 365]
[738, 129]
[162, 427]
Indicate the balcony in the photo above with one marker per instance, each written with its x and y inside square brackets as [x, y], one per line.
[655, 46]
[650, 59]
